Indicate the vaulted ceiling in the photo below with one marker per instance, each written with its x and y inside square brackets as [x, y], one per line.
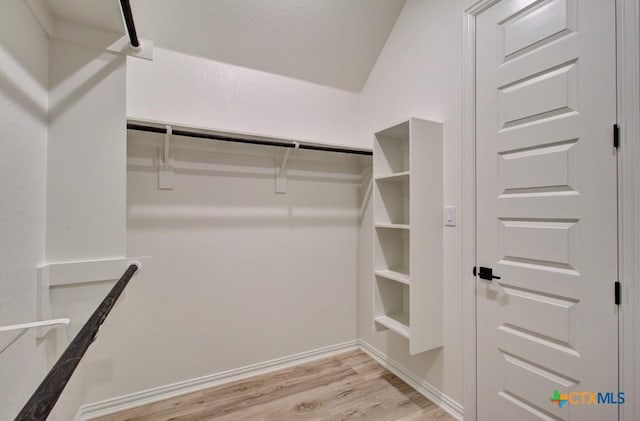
[329, 42]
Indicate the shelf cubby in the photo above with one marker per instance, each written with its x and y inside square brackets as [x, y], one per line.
[392, 206]
[393, 146]
[392, 301]
[392, 250]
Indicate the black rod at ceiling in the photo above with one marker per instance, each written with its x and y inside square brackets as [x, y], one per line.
[308, 146]
[46, 395]
[131, 25]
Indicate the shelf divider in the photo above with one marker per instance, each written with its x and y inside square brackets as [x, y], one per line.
[394, 275]
[397, 322]
[398, 177]
[394, 226]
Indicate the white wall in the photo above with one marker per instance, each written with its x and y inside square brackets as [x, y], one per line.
[194, 91]
[242, 275]
[23, 146]
[419, 73]
[86, 187]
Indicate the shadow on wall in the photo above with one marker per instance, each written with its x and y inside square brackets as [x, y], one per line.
[60, 98]
[18, 70]
[15, 63]
[286, 218]
[12, 90]
[13, 29]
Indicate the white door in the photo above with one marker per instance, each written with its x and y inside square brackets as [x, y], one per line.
[546, 209]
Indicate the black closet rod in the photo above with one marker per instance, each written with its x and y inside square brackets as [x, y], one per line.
[47, 394]
[131, 25]
[292, 145]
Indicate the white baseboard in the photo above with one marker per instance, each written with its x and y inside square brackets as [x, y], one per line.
[433, 394]
[122, 403]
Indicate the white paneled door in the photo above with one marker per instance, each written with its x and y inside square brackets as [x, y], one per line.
[546, 210]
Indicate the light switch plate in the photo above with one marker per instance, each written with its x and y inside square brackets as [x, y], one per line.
[450, 216]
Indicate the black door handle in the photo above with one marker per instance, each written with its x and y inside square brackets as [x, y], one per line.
[487, 274]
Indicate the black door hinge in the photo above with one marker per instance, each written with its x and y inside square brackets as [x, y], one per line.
[617, 292]
[616, 136]
[474, 271]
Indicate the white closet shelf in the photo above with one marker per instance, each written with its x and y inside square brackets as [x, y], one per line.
[394, 275]
[397, 322]
[394, 226]
[398, 177]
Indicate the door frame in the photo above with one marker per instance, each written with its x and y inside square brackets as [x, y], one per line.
[628, 116]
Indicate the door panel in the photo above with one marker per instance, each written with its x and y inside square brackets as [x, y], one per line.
[532, 26]
[546, 207]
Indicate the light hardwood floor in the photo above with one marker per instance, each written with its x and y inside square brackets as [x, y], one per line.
[349, 386]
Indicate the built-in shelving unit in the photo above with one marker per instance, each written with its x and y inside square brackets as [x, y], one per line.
[407, 169]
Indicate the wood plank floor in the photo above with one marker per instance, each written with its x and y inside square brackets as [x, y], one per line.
[349, 386]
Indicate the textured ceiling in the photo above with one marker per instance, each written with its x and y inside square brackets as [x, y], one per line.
[330, 42]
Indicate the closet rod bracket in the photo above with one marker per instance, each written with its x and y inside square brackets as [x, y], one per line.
[22, 329]
[281, 171]
[165, 167]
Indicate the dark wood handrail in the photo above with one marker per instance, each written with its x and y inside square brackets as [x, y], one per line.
[46, 395]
